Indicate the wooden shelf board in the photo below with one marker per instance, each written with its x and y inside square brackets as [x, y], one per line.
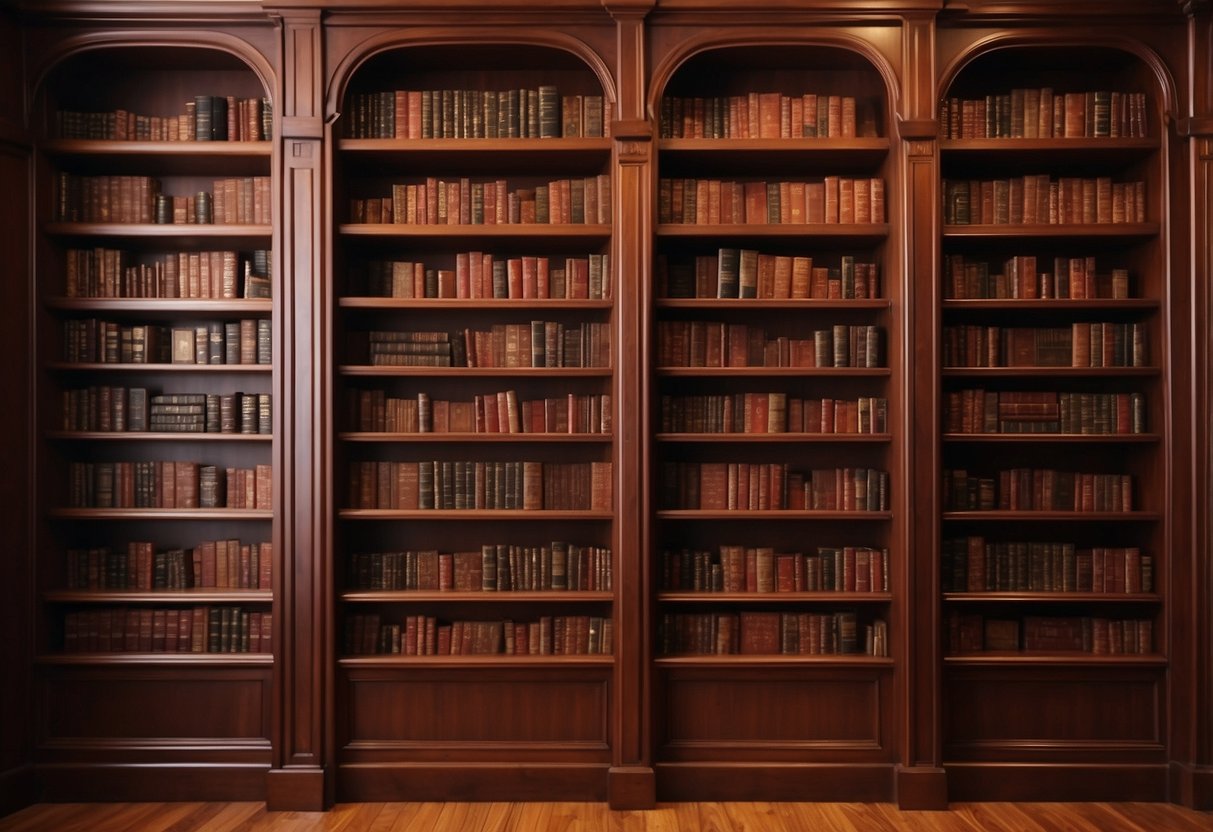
[1006, 659]
[1053, 516]
[470, 515]
[496, 304]
[150, 436]
[773, 514]
[181, 149]
[477, 232]
[160, 514]
[1048, 372]
[822, 372]
[772, 661]
[157, 368]
[168, 231]
[776, 438]
[1122, 229]
[472, 372]
[162, 596]
[486, 438]
[538, 148]
[260, 307]
[867, 232]
[484, 596]
[1052, 597]
[769, 303]
[477, 662]
[1053, 438]
[144, 659]
[1032, 304]
[774, 597]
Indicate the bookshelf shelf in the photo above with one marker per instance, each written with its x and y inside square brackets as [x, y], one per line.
[1053, 516]
[1030, 660]
[758, 662]
[165, 306]
[1049, 372]
[475, 234]
[776, 514]
[159, 514]
[162, 596]
[479, 438]
[1052, 597]
[183, 233]
[472, 515]
[494, 304]
[775, 597]
[473, 662]
[150, 436]
[1059, 304]
[190, 369]
[1138, 230]
[868, 233]
[208, 660]
[759, 372]
[483, 597]
[767, 304]
[476, 372]
[1054, 438]
[775, 438]
[146, 157]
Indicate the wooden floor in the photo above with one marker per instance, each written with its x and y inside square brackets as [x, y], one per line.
[576, 817]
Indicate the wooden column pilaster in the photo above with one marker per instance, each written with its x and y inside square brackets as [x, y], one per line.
[302, 640]
[1192, 773]
[632, 783]
[921, 781]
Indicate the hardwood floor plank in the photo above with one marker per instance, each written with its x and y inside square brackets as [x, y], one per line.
[596, 817]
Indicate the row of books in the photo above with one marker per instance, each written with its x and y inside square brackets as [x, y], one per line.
[977, 410]
[134, 409]
[479, 275]
[375, 411]
[1037, 489]
[534, 344]
[538, 113]
[456, 485]
[774, 412]
[205, 118]
[1040, 200]
[139, 199]
[580, 200]
[1081, 344]
[699, 343]
[112, 273]
[1071, 278]
[738, 568]
[496, 567]
[426, 635]
[1043, 113]
[757, 633]
[973, 564]
[748, 273]
[763, 486]
[95, 341]
[198, 629]
[178, 484]
[832, 199]
[143, 566]
[977, 633]
[766, 115]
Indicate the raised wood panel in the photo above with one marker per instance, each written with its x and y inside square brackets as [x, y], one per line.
[773, 781]
[1054, 713]
[108, 704]
[774, 715]
[422, 711]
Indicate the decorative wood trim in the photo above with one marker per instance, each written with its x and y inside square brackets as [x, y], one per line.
[922, 788]
[296, 790]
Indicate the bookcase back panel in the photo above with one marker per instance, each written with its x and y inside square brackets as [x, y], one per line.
[158, 706]
[506, 712]
[780, 716]
[1058, 714]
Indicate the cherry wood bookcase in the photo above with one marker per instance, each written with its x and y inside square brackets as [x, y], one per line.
[694, 669]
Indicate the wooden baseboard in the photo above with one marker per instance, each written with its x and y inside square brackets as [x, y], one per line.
[139, 782]
[295, 790]
[922, 788]
[1056, 781]
[774, 782]
[471, 782]
[1192, 786]
[632, 787]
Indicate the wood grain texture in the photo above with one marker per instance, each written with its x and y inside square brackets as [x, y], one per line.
[597, 817]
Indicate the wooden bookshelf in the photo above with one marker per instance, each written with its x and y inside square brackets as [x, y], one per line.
[128, 701]
[984, 739]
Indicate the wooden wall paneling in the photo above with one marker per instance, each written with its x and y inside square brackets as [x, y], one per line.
[298, 780]
[632, 784]
[121, 742]
[16, 569]
[921, 781]
[1192, 781]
